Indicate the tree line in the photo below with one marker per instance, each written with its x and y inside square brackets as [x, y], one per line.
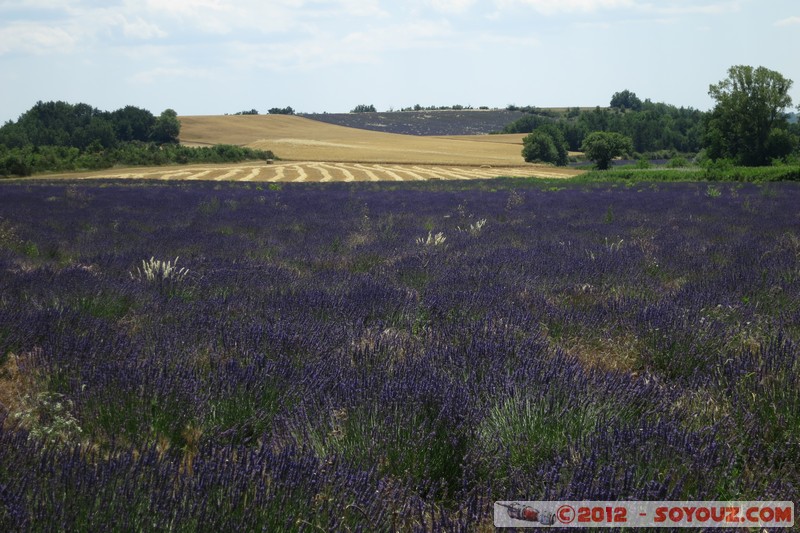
[272, 111]
[653, 127]
[85, 127]
[58, 136]
[749, 125]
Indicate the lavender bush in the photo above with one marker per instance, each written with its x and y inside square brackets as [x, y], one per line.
[320, 368]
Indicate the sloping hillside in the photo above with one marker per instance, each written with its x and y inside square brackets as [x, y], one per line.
[294, 138]
[439, 122]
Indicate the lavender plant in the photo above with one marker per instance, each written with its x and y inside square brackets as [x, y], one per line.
[328, 371]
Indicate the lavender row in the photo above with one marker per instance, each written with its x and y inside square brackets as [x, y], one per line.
[359, 357]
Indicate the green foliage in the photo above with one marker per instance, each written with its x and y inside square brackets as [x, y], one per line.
[678, 162]
[601, 147]
[651, 126]
[539, 147]
[781, 143]
[527, 124]
[251, 112]
[362, 108]
[133, 124]
[530, 431]
[57, 136]
[82, 126]
[626, 100]
[722, 170]
[609, 216]
[547, 145]
[31, 160]
[281, 111]
[751, 106]
[167, 128]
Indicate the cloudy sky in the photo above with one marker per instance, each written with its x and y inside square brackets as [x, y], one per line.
[224, 56]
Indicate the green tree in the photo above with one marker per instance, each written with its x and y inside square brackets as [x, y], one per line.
[167, 127]
[780, 143]
[603, 146]
[527, 124]
[626, 100]
[363, 109]
[132, 124]
[539, 147]
[751, 104]
[281, 111]
[546, 144]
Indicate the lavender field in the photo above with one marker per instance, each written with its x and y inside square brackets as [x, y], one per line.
[449, 122]
[382, 357]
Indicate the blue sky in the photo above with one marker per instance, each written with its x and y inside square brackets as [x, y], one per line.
[224, 56]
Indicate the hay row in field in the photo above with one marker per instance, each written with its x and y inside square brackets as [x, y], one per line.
[327, 172]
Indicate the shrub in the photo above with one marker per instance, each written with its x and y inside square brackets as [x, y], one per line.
[432, 240]
[602, 146]
[678, 162]
[363, 109]
[547, 145]
[539, 147]
[164, 274]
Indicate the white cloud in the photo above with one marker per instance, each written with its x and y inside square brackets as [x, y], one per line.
[159, 73]
[211, 16]
[297, 56]
[325, 49]
[551, 7]
[416, 34]
[791, 21]
[678, 7]
[37, 39]
[507, 41]
[141, 29]
[35, 4]
[664, 7]
[452, 6]
[361, 8]
[277, 16]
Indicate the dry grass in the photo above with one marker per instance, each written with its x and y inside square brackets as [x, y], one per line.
[16, 383]
[312, 151]
[299, 139]
[318, 171]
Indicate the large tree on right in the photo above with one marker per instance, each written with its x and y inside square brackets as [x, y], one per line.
[748, 124]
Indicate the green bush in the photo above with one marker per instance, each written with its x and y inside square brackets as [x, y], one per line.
[722, 170]
[603, 146]
[30, 160]
[678, 162]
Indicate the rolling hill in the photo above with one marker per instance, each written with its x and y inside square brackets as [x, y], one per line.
[310, 150]
[294, 138]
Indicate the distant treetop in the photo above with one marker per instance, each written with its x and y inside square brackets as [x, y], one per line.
[364, 109]
[626, 100]
[281, 111]
[81, 125]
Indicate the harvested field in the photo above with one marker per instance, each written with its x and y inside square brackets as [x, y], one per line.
[300, 139]
[320, 171]
[312, 151]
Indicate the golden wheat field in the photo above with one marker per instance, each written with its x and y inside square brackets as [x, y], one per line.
[312, 151]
